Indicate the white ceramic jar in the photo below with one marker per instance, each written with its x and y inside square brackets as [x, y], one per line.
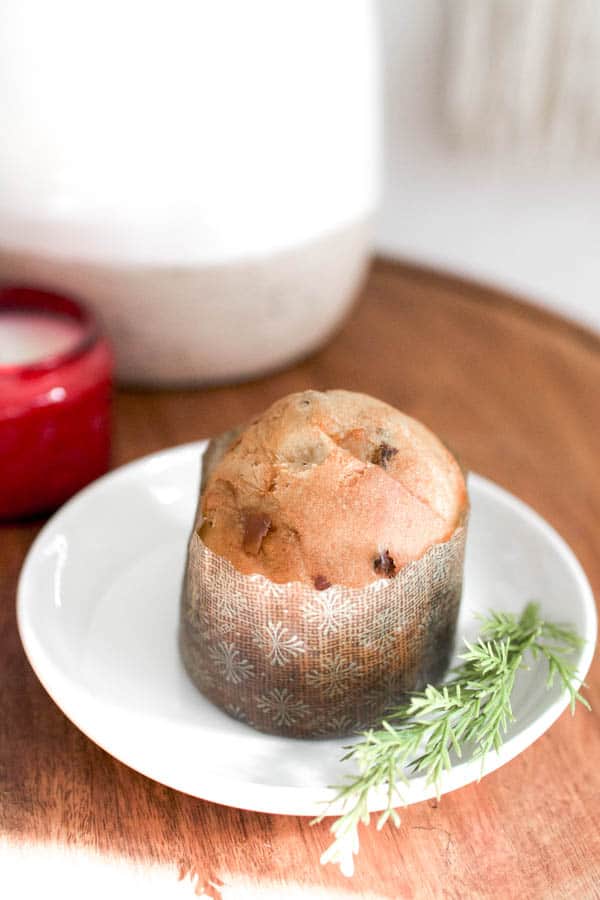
[202, 172]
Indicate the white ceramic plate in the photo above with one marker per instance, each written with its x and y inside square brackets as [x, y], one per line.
[98, 609]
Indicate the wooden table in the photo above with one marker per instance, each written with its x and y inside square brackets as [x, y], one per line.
[516, 392]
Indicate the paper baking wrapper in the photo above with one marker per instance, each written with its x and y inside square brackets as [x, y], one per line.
[291, 660]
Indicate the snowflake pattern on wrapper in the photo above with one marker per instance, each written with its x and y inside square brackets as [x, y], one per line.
[224, 613]
[213, 626]
[230, 663]
[236, 712]
[270, 590]
[214, 615]
[382, 630]
[329, 612]
[278, 642]
[336, 724]
[282, 707]
[335, 676]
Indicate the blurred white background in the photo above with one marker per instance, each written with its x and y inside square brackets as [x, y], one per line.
[518, 210]
[185, 164]
[231, 174]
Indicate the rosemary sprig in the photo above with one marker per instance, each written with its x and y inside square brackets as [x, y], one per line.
[470, 712]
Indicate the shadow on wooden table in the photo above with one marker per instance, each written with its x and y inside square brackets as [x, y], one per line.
[57, 786]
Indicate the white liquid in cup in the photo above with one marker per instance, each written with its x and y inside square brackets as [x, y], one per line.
[30, 337]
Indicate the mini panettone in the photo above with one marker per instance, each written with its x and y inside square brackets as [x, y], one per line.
[324, 570]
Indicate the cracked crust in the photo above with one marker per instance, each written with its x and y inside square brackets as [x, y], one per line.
[343, 480]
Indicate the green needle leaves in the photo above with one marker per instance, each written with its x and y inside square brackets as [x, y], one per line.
[470, 713]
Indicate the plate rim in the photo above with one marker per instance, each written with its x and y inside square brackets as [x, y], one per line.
[288, 799]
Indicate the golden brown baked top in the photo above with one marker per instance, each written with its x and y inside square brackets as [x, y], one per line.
[331, 487]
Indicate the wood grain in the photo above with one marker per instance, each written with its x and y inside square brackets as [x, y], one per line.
[516, 392]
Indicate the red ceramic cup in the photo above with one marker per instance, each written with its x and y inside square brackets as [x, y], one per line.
[55, 408]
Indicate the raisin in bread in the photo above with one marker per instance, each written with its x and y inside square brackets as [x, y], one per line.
[329, 488]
